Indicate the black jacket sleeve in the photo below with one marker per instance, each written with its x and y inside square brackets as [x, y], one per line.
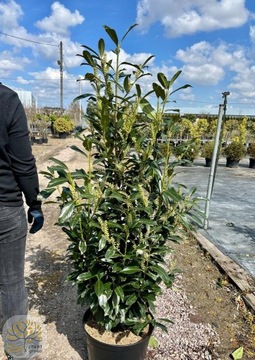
[20, 152]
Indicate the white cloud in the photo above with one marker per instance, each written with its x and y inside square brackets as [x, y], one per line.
[196, 54]
[206, 74]
[45, 45]
[47, 74]
[22, 81]
[9, 63]
[60, 19]
[10, 12]
[252, 33]
[10, 15]
[206, 64]
[187, 94]
[184, 17]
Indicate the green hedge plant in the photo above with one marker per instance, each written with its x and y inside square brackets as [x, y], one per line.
[235, 151]
[121, 212]
[63, 125]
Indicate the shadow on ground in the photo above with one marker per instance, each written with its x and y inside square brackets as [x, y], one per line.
[54, 298]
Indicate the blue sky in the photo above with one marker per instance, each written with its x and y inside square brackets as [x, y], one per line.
[212, 42]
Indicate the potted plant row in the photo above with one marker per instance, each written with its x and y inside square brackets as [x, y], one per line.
[234, 152]
[186, 152]
[207, 152]
[121, 211]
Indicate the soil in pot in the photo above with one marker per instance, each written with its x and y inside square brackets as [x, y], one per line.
[119, 345]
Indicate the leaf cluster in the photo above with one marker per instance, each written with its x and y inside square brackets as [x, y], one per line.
[63, 125]
[122, 211]
[207, 150]
[235, 150]
[187, 150]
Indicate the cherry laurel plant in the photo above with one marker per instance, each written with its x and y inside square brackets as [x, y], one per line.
[122, 211]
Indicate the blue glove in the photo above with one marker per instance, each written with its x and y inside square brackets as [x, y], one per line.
[35, 217]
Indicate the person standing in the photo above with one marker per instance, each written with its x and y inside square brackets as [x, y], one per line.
[18, 183]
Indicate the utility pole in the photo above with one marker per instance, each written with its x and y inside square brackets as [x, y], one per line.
[60, 63]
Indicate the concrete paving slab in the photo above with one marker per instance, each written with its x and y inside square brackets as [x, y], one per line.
[232, 208]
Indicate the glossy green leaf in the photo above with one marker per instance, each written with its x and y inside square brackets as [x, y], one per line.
[90, 77]
[147, 60]
[102, 300]
[163, 80]
[160, 93]
[66, 212]
[82, 246]
[161, 272]
[112, 33]
[126, 83]
[138, 90]
[45, 193]
[129, 29]
[180, 88]
[59, 162]
[85, 276]
[76, 148]
[102, 243]
[130, 270]
[119, 292]
[99, 287]
[147, 108]
[131, 299]
[101, 47]
[174, 78]
[87, 56]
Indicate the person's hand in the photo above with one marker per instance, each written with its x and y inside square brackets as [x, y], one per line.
[35, 217]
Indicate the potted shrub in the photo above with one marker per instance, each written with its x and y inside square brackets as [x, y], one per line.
[121, 211]
[207, 152]
[186, 152]
[251, 153]
[234, 152]
[42, 123]
[63, 126]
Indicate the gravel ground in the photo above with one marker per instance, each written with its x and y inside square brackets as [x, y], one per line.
[54, 301]
[185, 339]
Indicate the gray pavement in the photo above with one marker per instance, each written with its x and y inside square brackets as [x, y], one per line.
[232, 208]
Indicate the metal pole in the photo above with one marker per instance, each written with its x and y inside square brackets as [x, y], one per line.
[215, 156]
[213, 167]
[224, 95]
[79, 81]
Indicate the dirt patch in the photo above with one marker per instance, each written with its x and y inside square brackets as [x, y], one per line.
[215, 300]
[206, 291]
